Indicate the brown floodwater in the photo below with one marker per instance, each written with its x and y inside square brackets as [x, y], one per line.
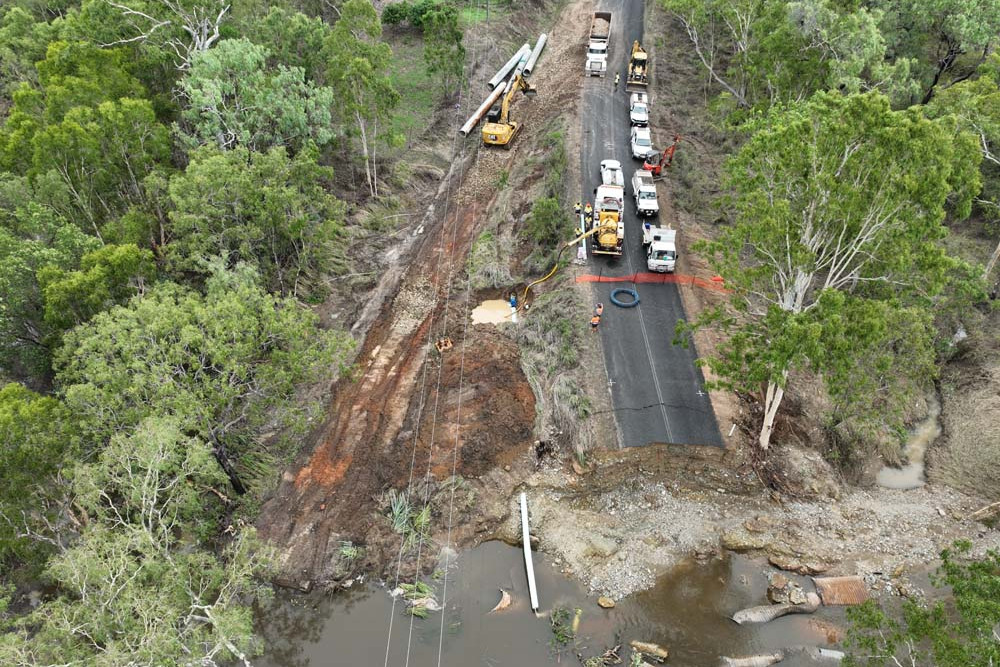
[687, 612]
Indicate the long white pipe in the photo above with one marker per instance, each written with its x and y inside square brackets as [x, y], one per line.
[526, 538]
[502, 73]
[483, 108]
[537, 51]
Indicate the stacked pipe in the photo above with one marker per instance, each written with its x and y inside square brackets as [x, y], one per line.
[520, 64]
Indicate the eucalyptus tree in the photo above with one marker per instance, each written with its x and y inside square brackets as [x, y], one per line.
[838, 206]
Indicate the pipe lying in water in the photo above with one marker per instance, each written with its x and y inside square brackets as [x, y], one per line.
[502, 73]
[812, 653]
[769, 612]
[535, 52]
[526, 537]
[481, 111]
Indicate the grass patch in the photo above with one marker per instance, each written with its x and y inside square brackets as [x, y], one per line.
[417, 89]
[561, 623]
[489, 262]
[550, 338]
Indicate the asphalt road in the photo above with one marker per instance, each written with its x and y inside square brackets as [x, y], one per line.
[657, 391]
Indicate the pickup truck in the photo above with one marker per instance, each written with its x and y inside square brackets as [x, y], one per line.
[644, 193]
[597, 48]
[611, 173]
[638, 109]
[661, 248]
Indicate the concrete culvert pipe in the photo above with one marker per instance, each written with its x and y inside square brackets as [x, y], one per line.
[537, 51]
[623, 291]
[502, 73]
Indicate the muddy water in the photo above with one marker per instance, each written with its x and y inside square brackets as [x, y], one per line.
[911, 475]
[494, 311]
[687, 612]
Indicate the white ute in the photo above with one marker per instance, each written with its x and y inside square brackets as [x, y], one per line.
[638, 109]
[641, 142]
[644, 193]
[611, 173]
[661, 248]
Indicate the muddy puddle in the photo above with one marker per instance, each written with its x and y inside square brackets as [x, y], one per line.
[493, 311]
[687, 612]
[911, 475]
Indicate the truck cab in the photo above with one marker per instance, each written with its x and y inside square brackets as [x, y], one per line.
[638, 109]
[661, 248]
[611, 173]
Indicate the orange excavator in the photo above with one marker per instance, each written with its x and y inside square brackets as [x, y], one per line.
[657, 160]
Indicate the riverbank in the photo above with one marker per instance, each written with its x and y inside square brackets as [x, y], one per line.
[638, 512]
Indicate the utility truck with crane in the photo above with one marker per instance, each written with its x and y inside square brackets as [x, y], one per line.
[499, 129]
[638, 69]
[597, 47]
[661, 248]
[644, 193]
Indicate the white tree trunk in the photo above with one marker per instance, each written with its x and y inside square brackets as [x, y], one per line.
[364, 150]
[772, 401]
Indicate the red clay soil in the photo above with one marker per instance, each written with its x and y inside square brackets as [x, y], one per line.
[401, 409]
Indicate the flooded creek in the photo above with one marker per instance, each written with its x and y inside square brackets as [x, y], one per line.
[687, 612]
[911, 475]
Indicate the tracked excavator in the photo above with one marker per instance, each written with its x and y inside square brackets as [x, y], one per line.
[657, 160]
[499, 129]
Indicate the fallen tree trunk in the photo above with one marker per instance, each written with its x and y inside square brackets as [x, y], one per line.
[769, 612]
[762, 660]
[767, 659]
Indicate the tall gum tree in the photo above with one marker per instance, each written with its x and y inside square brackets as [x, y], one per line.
[834, 195]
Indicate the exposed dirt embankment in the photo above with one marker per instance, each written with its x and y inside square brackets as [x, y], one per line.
[410, 413]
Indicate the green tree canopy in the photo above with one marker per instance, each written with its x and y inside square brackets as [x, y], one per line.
[108, 276]
[235, 99]
[444, 52]
[32, 238]
[266, 209]
[958, 632]
[218, 364]
[359, 73]
[39, 437]
[136, 587]
[837, 194]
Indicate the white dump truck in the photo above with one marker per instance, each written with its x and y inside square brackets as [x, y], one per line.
[597, 48]
[661, 248]
[644, 193]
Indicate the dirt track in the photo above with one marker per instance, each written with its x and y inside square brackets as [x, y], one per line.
[400, 411]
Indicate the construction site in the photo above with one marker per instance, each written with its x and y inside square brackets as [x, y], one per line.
[633, 466]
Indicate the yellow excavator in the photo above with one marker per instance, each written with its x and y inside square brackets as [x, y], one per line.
[638, 69]
[499, 129]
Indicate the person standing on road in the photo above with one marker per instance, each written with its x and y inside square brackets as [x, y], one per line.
[599, 309]
[617, 78]
[595, 321]
[576, 209]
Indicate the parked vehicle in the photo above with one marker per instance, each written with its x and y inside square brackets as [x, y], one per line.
[609, 220]
[644, 193]
[641, 142]
[611, 173]
[638, 109]
[661, 248]
[597, 48]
